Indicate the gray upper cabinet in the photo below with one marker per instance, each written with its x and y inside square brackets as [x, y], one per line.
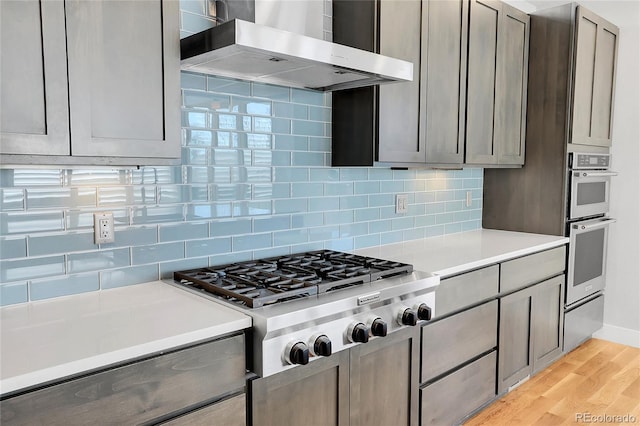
[497, 83]
[34, 107]
[120, 102]
[444, 62]
[594, 79]
[398, 111]
[467, 103]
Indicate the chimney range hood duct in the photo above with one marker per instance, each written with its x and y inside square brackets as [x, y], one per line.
[250, 51]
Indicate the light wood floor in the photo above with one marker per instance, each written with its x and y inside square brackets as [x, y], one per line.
[598, 378]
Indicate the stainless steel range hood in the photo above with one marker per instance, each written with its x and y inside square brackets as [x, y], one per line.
[249, 51]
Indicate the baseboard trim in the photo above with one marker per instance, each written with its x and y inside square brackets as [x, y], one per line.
[625, 336]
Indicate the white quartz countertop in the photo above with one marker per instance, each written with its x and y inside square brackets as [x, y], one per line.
[456, 253]
[51, 339]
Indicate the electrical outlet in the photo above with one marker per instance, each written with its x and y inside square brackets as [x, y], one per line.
[469, 200]
[402, 203]
[103, 228]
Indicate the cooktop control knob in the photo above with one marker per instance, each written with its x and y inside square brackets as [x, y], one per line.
[378, 327]
[297, 353]
[321, 346]
[358, 333]
[408, 316]
[424, 312]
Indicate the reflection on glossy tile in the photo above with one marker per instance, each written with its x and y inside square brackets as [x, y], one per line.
[173, 194]
[287, 110]
[195, 23]
[285, 174]
[128, 276]
[13, 247]
[325, 174]
[204, 100]
[142, 215]
[252, 208]
[27, 178]
[195, 156]
[126, 195]
[98, 260]
[63, 197]
[208, 211]
[11, 199]
[156, 175]
[250, 106]
[24, 269]
[25, 223]
[60, 243]
[343, 244]
[256, 140]
[201, 137]
[96, 177]
[251, 174]
[190, 80]
[230, 192]
[13, 293]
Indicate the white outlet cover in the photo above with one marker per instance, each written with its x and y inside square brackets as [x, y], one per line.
[402, 203]
[103, 227]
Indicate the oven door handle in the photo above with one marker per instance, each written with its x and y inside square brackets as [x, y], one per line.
[601, 224]
[597, 174]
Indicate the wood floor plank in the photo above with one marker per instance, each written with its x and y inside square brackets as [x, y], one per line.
[597, 378]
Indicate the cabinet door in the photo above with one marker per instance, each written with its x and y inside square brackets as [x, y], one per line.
[443, 77]
[384, 380]
[230, 412]
[34, 111]
[483, 73]
[511, 96]
[398, 103]
[515, 350]
[594, 79]
[548, 324]
[314, 394]
[124, 90]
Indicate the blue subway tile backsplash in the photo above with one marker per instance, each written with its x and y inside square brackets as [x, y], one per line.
[255, 181]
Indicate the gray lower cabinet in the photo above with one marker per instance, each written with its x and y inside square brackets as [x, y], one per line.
[371, 384]
[458, 364]
[74, 91]
[384, 380]
[531, 327]
[451, 399]
[144, 391]
[229, 412]
[314, 394]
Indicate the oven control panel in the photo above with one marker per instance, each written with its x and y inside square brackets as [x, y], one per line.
[583, 161]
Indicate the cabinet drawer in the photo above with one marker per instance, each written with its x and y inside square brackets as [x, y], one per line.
[136, 392]
[230, 412]
[465, 290]
[457, 339]
[521, 272]
[459, 394]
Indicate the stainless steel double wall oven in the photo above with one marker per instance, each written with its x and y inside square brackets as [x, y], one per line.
[587, 226]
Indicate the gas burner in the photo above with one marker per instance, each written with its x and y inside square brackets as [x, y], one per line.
[262, 282]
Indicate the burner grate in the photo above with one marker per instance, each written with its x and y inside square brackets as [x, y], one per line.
[278, 279]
